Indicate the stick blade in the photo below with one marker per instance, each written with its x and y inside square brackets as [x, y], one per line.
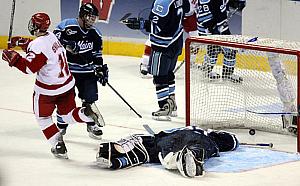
[148, 129]
[122, 20]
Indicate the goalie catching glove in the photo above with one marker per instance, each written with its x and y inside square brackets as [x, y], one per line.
[11, 57]
[19, 41]
[102, 73]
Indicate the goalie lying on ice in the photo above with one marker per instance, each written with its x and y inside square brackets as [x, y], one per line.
[184, 149]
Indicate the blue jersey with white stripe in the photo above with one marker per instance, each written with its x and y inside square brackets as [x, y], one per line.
[166, 18]
[210, 15]
[89, 42]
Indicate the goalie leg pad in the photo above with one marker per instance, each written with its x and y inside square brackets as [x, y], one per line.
[126, 152]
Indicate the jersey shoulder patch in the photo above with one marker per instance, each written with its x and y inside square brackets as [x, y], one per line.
[161, 7]
[66, 23]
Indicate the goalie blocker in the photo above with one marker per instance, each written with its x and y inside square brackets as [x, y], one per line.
[184, 149]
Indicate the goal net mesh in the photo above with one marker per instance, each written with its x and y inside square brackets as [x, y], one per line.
[240, 82]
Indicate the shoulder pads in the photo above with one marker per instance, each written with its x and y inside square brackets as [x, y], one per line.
[161, 7]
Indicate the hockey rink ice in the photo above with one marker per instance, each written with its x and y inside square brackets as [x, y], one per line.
[25, 157]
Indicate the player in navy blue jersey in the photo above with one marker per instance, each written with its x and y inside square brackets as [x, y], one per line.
[166, 37]
[212, 19]
[184, 149]
[83, 42]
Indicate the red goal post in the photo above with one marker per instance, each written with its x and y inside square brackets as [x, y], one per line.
[254, 102]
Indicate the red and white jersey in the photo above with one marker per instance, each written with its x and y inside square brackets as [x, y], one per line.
[193, 7]
[47, 57]
[190, 20]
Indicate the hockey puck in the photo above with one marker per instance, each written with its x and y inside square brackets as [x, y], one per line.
[271, 145]
[252, 132]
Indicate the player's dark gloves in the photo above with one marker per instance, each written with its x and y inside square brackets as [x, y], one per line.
[238, 4]
[135, 23]
[241, 4]
[102, 73]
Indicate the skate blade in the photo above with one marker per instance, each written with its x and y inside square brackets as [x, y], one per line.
[161, 118]
[95, 137]
[61, 156]
[174, 114]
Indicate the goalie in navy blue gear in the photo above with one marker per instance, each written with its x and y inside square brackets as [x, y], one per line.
[184, 149]
[166, 37]
[83, 43]
[212, 19]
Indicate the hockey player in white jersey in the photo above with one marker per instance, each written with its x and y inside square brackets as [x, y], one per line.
[54, 85]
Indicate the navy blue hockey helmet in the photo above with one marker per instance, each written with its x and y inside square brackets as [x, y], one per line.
[88, 9]
[88, 13]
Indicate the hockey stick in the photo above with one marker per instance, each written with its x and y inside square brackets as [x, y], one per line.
[12, 15]
[124, 17]
[273, 113]
[178, 67]
[124, 100]
[258, 144]
[83, 58]
[149, 129]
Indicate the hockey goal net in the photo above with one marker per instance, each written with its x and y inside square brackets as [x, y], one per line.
[242, 82]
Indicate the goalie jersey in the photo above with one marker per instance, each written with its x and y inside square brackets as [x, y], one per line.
[89, 43]
[138, 149]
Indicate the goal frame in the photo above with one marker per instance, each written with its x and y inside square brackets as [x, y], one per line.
[188, 42]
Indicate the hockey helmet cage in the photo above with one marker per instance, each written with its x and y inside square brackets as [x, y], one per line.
[39, 22]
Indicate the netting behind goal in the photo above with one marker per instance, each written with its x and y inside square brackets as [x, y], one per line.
[241, 82]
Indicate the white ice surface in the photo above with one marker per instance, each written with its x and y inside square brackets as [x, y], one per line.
[25, 157]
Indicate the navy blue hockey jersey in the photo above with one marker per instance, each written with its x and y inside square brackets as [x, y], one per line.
[89, 42]
[166, 21]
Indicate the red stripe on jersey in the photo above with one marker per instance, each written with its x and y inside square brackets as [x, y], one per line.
[50, 131]
[32, 61]
[53, 87]
[75, 114]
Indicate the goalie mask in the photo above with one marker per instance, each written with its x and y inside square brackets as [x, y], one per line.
[39, 22]
[88, 13]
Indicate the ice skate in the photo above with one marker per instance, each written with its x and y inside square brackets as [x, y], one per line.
[174, 110]
[207, 72]
[92, 111]
[290, 123]
[63, 131]
[144, 71]
[227, 75]
[94, 131]
[233, 78]
[60, 150]
[164, 113]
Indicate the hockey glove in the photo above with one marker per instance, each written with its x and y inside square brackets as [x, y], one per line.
[102, 73]
[72, 47]
[19, 41]
[238, 4]
[135, 23]
[10, 56]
